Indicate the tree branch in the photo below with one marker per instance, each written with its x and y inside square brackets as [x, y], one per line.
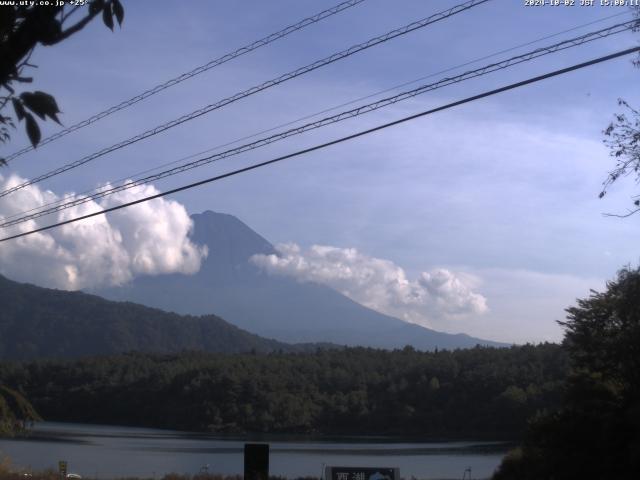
[78, 26]
[626, 215]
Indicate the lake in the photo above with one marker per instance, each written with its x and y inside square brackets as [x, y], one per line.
[108, 451]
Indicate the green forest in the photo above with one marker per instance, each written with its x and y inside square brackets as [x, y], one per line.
[481, 392]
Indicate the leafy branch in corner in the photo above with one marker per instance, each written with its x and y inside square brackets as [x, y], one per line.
[622, 137]
[22, 29]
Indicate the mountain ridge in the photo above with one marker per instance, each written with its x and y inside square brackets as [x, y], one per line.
[228, 285]
[37, 322]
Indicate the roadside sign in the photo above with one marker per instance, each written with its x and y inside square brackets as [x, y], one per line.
[362, 473]
[62, 468]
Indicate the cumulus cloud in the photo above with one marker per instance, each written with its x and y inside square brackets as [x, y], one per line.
[377, 283]
[146, 239]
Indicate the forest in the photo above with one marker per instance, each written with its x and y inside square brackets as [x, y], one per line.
[482, 392]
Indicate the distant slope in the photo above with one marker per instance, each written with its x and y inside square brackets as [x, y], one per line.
[279, 307]
[39, 322]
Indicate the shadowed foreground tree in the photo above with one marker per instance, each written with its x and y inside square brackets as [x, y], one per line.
[596, 433]
[16, 413]
[22, 29]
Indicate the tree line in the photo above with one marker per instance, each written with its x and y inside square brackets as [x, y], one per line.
[480, 392]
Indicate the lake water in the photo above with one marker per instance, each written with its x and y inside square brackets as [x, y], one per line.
[108, 452]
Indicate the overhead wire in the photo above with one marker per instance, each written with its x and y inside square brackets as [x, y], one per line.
[501, 65]
[306, 117]
[271, 83]
[192, 73]
[332, 142]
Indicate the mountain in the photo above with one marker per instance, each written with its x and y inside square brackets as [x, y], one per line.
[39, 322]
[230, 286]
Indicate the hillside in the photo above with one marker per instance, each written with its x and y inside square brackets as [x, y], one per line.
[273, 306]
[38, 322]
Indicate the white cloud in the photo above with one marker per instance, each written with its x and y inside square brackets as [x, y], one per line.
[146, 239]
[379, 284]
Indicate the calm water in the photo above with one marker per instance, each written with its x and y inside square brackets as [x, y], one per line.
[105, 451]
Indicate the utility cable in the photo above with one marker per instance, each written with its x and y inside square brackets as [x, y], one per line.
[196, 71]
[334, 142]
[283, 78]
[137, 175]
[106, 191]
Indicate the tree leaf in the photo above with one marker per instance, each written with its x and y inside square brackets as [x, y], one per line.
[107, 16]
[18, 107]
[118, 11]
[42, 104]
[7, 19]
[33, 130]
[52, 108]
[96, 6]
[33, 103]
[49, 30]
[3, 162]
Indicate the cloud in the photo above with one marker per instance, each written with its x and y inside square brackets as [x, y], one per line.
[146, 239]
[377, 283]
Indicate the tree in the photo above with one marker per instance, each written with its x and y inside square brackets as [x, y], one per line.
[16, 413]
[603, 333]
[596, 433]
[22, 28]
[623, 139]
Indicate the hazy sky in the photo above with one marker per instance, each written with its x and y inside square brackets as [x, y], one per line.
[501, 192]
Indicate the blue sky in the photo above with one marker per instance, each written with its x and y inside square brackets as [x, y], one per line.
[502, 191]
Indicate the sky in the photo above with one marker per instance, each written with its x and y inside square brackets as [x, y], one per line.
[494, 204]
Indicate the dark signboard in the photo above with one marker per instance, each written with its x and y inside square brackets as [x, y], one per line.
[256, 461]
[362, 473]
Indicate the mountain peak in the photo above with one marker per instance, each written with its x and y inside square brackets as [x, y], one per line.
[229, 285]
[228, 238]
[210, 214]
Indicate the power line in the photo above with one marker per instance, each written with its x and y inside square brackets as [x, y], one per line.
[525, 57]
[196, 71]
[283, 78]
[335, 142]
[306, 117]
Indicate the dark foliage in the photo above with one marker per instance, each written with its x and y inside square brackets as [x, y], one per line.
[481, 392]
[16, 413]
[23, 27]
[596, 433]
